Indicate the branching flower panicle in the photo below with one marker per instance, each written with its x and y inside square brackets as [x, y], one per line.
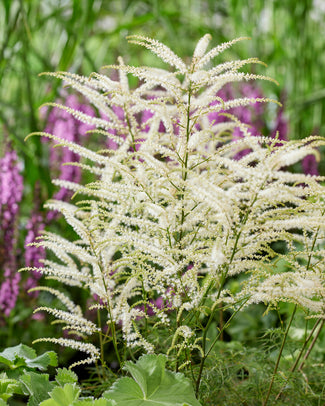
[177, 211]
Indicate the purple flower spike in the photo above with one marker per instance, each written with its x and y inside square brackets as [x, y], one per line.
[11, 190]
[310, 165]
[33, 254]
[281, 126]
[64, 125]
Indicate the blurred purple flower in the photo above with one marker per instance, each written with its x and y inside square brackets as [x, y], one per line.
[310, 165]
[251, 115]
[119, 112]
[11, 190]
[281, 126]
[65, 126]
[34, 254]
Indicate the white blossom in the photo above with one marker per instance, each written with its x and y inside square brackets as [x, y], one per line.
[173, 215]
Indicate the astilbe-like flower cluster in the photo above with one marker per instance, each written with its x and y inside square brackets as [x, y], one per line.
[11, 189]
[178, 210]
[254, 117]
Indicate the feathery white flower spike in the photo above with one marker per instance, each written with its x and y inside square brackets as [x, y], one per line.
[174, 213]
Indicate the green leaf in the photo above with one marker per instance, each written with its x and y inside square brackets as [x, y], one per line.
[23, 356]
[65, 396]
[43, 361]
[64, 376]
[16, 356]
[97, 402]
[37, 386]
[8, 387]
[152, 385]
[69, 396]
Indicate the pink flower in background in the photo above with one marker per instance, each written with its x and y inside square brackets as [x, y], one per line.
[310, 165]
[62, 124]
[281, 126]
[11, 190]
[34, 254]
[251, 115]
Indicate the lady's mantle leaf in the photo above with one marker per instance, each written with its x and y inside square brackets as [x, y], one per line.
[65, 396]
[69, 396]
[8, 387]
[152, 385]
[23, 356]
[64, 376]
[37, 386]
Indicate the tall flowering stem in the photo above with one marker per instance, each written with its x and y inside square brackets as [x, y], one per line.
[178, 210]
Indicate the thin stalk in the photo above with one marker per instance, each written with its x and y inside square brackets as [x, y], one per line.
[101, 344]
[177, 362]
[294, 366]
[222, 281]
[112, 325]
[108, 307]
[226, 325]
[279, 356]
[184, 177]
[206, 354]
[221, 321]
[311, 345]
[292, 369]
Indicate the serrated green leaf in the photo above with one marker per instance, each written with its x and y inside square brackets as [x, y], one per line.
[23, 356]
[124, 390]
[8, 387]
[66, 396]
[16, 356]
[37, 386]
[64, 376]
[152, 385]
[43, 361]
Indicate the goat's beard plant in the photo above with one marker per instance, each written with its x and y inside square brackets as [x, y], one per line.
[176, 214]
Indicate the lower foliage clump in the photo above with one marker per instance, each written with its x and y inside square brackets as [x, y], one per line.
[151, 383]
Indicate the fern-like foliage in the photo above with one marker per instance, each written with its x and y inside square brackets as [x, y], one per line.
[174, 213]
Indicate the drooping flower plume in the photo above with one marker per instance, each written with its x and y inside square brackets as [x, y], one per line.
[177, 210]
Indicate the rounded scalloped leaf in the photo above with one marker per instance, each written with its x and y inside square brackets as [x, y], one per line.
[65, 396]
[65, 375]
[152, 385]
[24, 356]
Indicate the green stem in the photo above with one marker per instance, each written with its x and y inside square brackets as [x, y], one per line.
[206, 354]
[279, 356]
[312, 331]
[184, 163]
[294, 366]
[101, 344]
[108, 307]
[311, 345]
